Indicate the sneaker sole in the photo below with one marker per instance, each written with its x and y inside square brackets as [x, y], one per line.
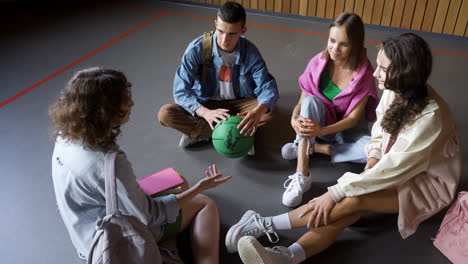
[292, 204]
[252, 252]
[181, 142]
[231, 245]
[299, 201]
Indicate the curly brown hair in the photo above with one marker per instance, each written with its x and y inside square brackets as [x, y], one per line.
[410, 67]
[88, 110]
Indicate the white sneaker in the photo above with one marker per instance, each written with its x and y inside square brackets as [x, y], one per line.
[295, 185]
[289, 151]
[186, 141]
[251, 224]
[251, 151]
[252, 252]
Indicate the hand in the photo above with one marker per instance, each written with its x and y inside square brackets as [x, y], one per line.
[211, 116]
[250, 120]
[303, 127]
[318, 129]
[213, 178]
[371, 163]
[319, 209]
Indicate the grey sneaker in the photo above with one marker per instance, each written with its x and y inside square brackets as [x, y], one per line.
[295, 185]
[186, 141]
[252, 252]
[251, 224]
[289, 151]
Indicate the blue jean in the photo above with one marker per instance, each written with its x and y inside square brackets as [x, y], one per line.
[349, 144]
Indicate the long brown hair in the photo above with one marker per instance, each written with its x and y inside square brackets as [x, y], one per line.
[355, 32]
[407, 74]
[89, 108]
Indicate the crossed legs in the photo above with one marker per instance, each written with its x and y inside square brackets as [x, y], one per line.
[174, 116]
[344, 214]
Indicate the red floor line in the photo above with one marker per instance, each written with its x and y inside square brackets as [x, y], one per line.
[2, 104]
[270, 27]
[450, 53]
[161, 13]
[137, 8]
[188, 15]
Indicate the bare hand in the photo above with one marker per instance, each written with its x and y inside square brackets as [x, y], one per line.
[303, 127]
[371, 163]
[213, 178]
[319, 209]
[249, 122]
[215, 115]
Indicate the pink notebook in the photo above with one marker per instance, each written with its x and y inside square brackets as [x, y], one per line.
[160, 181]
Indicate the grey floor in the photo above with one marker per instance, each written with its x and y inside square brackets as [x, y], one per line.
[42, 46]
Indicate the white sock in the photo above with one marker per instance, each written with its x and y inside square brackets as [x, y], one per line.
[298, 253]
[281, 222]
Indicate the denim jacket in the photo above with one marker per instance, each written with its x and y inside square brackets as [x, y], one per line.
[249, 75]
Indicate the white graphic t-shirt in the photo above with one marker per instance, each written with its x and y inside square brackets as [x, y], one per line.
[226, 90]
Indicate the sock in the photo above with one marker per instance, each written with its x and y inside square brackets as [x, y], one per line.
[281, 222]
[298, 253]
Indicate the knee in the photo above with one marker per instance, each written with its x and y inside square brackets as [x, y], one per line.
[164, 114]
[206, 202]
[353, 204]
[311, 100]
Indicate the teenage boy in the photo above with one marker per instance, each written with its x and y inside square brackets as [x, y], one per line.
[221, 74]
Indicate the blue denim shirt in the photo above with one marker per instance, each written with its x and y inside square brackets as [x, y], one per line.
[249, 75]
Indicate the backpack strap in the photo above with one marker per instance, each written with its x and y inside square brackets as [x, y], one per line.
[112, 206]
[207, 53]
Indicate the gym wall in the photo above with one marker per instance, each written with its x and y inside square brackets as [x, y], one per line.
[439, 16]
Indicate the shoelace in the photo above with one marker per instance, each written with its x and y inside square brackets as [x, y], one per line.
[293, 182]
[284, 251]
[262, 225]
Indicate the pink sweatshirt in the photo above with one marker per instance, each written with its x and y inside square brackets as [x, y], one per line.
[343, 104]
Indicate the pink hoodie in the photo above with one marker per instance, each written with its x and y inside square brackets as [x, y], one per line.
[343, 104]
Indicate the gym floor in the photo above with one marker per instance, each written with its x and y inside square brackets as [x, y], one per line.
[43, 45]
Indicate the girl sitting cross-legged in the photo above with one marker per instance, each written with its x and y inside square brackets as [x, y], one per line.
[413, 168]
[87, 116]
[337, 92]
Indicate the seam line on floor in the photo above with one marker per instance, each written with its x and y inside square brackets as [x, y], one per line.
[32, 87]
[161, 13]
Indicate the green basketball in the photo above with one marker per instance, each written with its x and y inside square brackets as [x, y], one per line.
[228, 141]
